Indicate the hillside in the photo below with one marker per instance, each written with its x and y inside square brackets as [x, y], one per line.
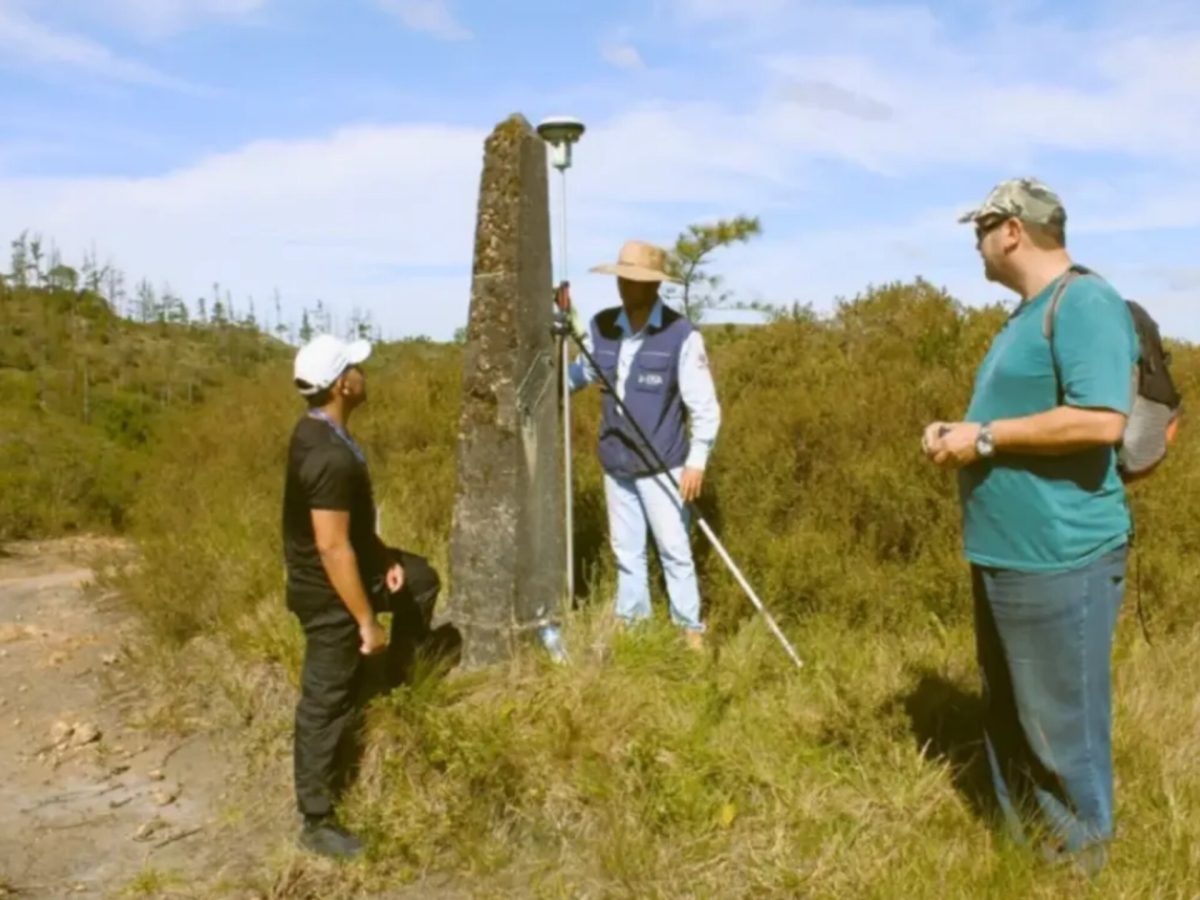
[81, 390]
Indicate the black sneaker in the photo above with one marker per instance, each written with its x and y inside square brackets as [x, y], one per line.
[326, 837]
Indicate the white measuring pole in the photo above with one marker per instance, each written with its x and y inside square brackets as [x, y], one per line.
[749, 591]
[566, 393]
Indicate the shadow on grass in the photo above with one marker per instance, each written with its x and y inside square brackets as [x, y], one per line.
[947, 723]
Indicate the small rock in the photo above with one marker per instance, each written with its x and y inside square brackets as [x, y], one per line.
[58, 658]
[118, 769]
[84, 733]
[22, 688]
[148, 829]
[165, 797]
[60, 732]
[156, 775]
[10, 633]
[79, 888]
[109, 659]
[16, 723]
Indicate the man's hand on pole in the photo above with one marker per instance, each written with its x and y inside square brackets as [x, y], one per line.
[567, 320]
[691, 482]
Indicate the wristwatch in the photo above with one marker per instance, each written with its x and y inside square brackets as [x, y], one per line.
[985, 444]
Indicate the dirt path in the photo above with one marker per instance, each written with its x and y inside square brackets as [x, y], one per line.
[90, 806]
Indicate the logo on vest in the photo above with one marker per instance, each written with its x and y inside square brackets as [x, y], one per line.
[650, 379]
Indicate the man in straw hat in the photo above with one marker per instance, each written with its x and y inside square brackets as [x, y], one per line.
[1045, 522]
[656, 361]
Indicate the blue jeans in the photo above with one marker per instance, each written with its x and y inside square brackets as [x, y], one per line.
[632, 504]
[1044, 642]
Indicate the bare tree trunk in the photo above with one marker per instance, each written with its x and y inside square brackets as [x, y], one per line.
[87, 394]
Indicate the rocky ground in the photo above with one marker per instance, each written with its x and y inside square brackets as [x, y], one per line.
[91, 804]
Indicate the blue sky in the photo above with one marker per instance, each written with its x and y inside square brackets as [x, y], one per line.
[332, 151]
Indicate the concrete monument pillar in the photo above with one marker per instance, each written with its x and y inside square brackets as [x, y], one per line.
[507, 544]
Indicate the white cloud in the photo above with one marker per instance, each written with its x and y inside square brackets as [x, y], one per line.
[161, 18]
[381, 218]
[722, 10]
[429, 16]
[825, 95]
[621, 55]
[924, 96]
[26, 41]
[946, 113]
[1182, 278]
[148, 19]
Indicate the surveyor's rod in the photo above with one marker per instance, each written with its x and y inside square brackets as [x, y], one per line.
[741, 579]
[565, 353]
[700, 522]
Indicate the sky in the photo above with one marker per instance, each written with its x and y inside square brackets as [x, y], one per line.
[332, 151]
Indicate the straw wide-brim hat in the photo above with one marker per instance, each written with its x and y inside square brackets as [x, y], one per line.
[638, 261]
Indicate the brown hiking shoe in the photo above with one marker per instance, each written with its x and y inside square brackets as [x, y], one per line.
[695, 640]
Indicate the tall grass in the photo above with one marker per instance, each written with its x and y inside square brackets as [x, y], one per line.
[643, 771]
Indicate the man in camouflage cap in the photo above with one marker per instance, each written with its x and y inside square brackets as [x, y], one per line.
[1022, 198]
[1045, 523]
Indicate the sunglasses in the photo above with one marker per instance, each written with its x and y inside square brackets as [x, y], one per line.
[983, 229]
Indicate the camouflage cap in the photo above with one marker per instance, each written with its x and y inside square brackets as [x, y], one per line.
[1026, 199]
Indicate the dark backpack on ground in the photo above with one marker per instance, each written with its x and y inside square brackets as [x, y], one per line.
[1154, 415]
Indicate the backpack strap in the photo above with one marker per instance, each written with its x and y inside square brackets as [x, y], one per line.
[1064, 281]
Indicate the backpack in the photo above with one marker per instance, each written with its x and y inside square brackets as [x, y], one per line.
[1154, 417]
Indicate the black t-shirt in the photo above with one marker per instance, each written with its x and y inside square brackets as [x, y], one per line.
[324, 473]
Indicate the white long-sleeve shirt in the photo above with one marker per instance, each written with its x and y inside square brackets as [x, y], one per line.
[696, 386]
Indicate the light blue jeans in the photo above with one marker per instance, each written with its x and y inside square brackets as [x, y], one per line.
[1044, 642]
[632, 504]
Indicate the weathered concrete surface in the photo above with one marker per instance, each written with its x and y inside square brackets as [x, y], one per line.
[507, 544]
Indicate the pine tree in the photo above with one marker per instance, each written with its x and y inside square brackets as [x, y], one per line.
[700, 290]
[19, 260]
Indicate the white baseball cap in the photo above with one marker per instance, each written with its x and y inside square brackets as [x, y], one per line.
[321, 361]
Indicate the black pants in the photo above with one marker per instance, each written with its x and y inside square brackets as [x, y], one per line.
[332, 681]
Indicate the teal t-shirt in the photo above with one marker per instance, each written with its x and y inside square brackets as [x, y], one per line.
[1044, 513]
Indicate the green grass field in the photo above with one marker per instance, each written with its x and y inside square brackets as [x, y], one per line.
[640, 770]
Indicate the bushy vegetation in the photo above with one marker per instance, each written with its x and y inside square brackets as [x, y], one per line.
[81, 390]
[640, 770]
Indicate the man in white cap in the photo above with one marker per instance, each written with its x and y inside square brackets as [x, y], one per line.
[339, 573]
[1045, 522]
[656, 361]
